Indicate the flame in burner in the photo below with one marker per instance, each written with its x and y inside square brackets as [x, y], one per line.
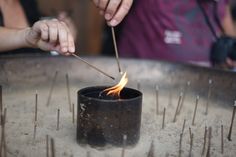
[115, 90]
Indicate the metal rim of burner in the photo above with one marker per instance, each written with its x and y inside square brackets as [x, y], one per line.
[102, 122]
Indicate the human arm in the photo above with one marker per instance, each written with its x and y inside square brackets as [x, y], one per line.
[47, 35]
[114, 11]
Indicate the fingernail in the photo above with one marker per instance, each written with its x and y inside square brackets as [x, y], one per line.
[72, 49]
[107, 16]
[113, 23]
[64, 49]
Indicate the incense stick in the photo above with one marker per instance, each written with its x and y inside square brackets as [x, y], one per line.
[116, 49]
[232, 122]
[68, 91]
[190, 133]
[73, 113]
[195, 110]
[58, 119]
[183, 126]
[138, 85]
[222, 139]
[163, 119]
[36, 106]
[191, 146]
[51, 89]
[183, 98]
[151, 150]
[36, 113]
[92, 66]
[0, 102]
[124, 145]
[3, 138]
[204, 142]
[176, 111]
[53, 151]
[208, 96]
[157, 100]
[180, 145]
[47, 146]
[209, 143]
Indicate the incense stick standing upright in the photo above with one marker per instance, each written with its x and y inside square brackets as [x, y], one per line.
[208, 96]
[176, 111]
[73, 113]
[68, 91]
[58, 119]
[163, 119]
[195, 110]
[53, 151]
[3, 136]
[0, 103]
[116, 49]
[47, 146]
[36, 114]
[157, 100]
[51, 89]
[232, 122]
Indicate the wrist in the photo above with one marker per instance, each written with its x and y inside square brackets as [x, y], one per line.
[25, 34]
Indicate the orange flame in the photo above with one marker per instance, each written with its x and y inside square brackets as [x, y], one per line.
[115, 90]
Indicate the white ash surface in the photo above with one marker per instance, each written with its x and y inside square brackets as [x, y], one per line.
[20, 105]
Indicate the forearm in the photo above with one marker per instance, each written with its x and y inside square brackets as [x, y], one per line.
[11, 39]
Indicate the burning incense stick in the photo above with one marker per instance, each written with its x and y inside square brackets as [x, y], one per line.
[195, 110]
[47, 146]
[124, 145]
[51, 89]
[232, 122]
[73, 113]
[68, 91]
[184, 95]
[180, 145]
[204, 142]
[183, 126]
[92, 66]
[208, 96]
[222, 139]
[163, 119]
[209, 143]
[157, 100]
[53, 151]
[58, 119]
[151, 150]
[176, 111]
[116, 49]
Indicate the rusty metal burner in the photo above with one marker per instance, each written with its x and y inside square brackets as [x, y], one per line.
[104, 119]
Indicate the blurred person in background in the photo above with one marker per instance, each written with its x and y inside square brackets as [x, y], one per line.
[172, 30]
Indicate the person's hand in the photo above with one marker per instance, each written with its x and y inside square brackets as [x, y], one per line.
[114, 11]
[63, 16]
[51, 35]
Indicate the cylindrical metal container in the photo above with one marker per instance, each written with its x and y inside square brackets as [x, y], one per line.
[103, 119]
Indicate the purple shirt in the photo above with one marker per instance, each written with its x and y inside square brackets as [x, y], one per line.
[172, 30]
